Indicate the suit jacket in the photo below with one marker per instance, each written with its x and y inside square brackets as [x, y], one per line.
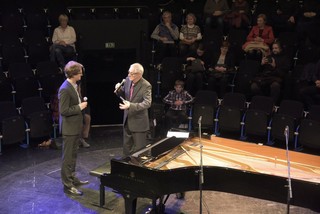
[71, 118]
[137, 116]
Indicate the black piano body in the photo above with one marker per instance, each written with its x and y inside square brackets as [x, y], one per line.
[132, 180]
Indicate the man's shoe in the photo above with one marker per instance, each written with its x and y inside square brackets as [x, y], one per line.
[84, 144]
[79, 183]
[72, 191]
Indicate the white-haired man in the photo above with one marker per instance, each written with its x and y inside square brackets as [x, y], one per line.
[137, 100]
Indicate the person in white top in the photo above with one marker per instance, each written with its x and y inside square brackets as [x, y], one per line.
[63, 39]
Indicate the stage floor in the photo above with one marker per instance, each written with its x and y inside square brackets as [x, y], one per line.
[30, 183]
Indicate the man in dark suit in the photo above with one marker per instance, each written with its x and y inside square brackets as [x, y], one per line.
[136, 94]
[71, 121]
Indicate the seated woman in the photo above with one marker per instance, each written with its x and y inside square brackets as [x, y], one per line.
[222, 64]
[190, 35]
[260, 37]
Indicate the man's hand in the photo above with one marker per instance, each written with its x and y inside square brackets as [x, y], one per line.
[217, 13]
[178, 102]
[117, 85]
[163, 39]
[124, 105]
[62, 43]
[318, 83]
[83, 105]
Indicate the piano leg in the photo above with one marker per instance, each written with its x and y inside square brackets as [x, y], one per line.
[130, 204]
[102, 195]
[160, 207]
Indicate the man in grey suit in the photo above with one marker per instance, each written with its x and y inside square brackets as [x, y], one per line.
[71, 121]
[136, 94]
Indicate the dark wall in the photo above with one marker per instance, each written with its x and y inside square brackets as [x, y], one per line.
[107, 66]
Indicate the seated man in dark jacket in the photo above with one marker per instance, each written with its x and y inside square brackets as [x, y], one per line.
[310, 94]
[274, 68]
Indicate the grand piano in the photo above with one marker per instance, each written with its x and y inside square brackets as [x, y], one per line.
[228, 166]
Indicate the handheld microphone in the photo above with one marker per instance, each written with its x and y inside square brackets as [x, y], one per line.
[121, 84]
[85, 99]
[286, 131]
[199, 120]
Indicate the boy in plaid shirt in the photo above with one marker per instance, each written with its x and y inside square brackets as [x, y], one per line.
[178, 100]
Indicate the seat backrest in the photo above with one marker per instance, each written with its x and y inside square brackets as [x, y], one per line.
[235, 100]
[206, 97]
[31, 37]
[20, 70]
[237, 37]
[262, 103]
[249, 67]
[47, 68]
[32, 104]
[171, 68]
[7, 109]
[314, 113]
[292, 108]
[6, 90]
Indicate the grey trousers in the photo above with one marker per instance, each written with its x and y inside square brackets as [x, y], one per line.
[69, 158]
[133, 141]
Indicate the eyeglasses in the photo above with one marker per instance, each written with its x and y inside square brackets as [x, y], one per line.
[133, 73]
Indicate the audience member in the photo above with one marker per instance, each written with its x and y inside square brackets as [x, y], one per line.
[214, 11]
[309, 21]
[136, 99]
[197, 64]
[86, 120]
[285, 16]
[273, 70]
[166, 33]
[260, 37]
[222, 65]
[63, 39]
[310, 94]
[239, 15]
[190, 35]
[178, 99]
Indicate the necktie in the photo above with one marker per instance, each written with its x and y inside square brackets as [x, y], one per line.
[131, 91]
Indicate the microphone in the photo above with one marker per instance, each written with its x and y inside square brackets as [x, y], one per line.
[85, 99]
[199, 120]
[121, 84]
[286, 131]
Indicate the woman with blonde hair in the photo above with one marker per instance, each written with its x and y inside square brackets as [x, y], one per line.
[190, 35]
[260, 37]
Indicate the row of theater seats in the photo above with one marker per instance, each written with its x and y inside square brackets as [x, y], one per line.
[257, 118]
[32, 47]
[32, 120]
[232, 114]
[21, 81]
[173, 68]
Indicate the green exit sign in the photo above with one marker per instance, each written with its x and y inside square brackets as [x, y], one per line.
[110, 44]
